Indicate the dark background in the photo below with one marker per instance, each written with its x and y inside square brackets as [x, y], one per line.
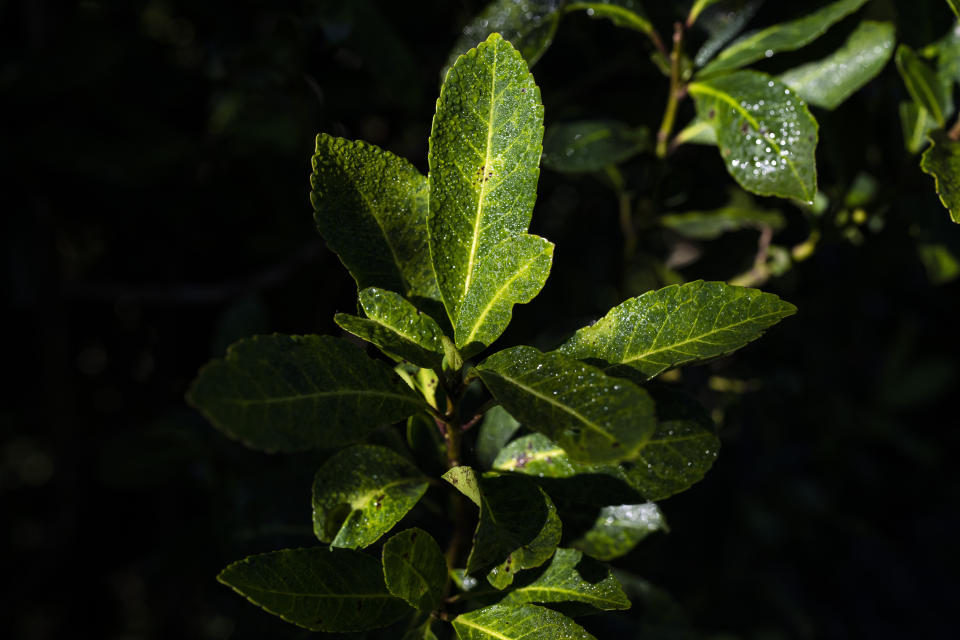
[155, 163]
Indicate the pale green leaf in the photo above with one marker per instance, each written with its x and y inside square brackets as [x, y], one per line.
[922, 83]
[291, 393]
[594, 417]
[397, 327]
[464, 479]
[484, 163]
[371, 208]
[676, 325]
[623, 13]
[942, 161]
[708, 225]
[517, 622]
[916, 124]
[591, 145]
[570, 577]
[414, 568]
[497, 428]
[697, 132]
[361, 493]
[828, 82]
[334, 590]
[619, 528]
[786, 36]
[765, 132]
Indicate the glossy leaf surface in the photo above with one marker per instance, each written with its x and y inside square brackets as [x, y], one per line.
[484, 163]
[594, 417]
[677, 325]
[335, 590]
[517, 622]
[371, 208]
[765, 132]
[786, 36]
[828, 82]
[361, 493]
[942, 161]
[465, 480]
[922, 83]
[571, 577]
[497, 428]
[623, 13]
[591, 145]
[414, 568]
[291, 393]
[619, 528]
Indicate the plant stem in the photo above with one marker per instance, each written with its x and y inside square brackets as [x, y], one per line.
[675, 93]
[453, 436]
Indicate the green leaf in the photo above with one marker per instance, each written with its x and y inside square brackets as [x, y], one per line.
[955, 5]
[397, 327]
[697, 9]
[766, 134]
[723, 24]
[570, 577]
[594, 417]
[623, 13]
[497, 428]
[940, 263]
[697, 132]
[922, 83]
[518, 529]
[786, 36]
[414, 568]
[708, 225]
[619, 528]
[361, 493]
[464, 480]
[422, 632]
[677, 325]
[335, 590]
[529, 25]
[484, 157]
[942, 161]
[517, 622]
[916, 124]
[591, 145]
[291, 393]
[371, 208]
[828, 82]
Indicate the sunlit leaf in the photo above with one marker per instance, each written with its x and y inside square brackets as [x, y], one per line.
[570, 577]
[591, 145]
[414, 568]
[465, 480]
[517, 622]
[619, 528]
[942, 161]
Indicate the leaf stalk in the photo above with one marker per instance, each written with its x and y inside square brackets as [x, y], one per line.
[673, 97]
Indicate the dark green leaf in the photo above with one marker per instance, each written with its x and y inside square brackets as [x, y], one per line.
[723, 23]
[397, 327]
[780, 37]
[497, 428]
[517, 622]
[322, 589]
[828, 82]
[591, 145]
[424, 441]
[290, 393]
[484, 155]
[707, 225]
[464, 479]
[361, 493]
[594, 417]
[619, 528]
[414, 568]
[371, 208]
[570, 578]
[766, 134]
[422, 632]
[922, 83]
[623, 13]
[916, 124]
[942, 161]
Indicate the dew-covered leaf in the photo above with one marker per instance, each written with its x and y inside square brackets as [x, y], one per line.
[676, 325]
[497, 428]
[464, 479]
[570, 577]
[517, 622]
[922, 83]
[828, 82]
[371, 208]
[942, 161]
[361, 493]
[591, 145]
[786, 36]
[594, 417]
[619, 528]
[397, 327]
[321, 589]
[414, 568]
[291, 393]
[708, 225]
[765, 132]
[484, 163]
[628, 14]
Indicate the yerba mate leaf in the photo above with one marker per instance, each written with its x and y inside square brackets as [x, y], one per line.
[697, 9]
[422, 632]
[828, 82]
[529, 25]
[517, 622]
[591, 145]
[594, 417]
[786, 36]
[334, 590]
[570, 577]
[497, 428]
[623, 13]
[414, 568]
[484, 163]
[618, 529]
[922, 83]
[676, 325]
[708, 225]
[916, 124]
[722, 24]
[396, 327]
[955, 5]
[371, 207]
[464, 479]
[291, 393]
[697, 132]
[765, 132]
[942, 161]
